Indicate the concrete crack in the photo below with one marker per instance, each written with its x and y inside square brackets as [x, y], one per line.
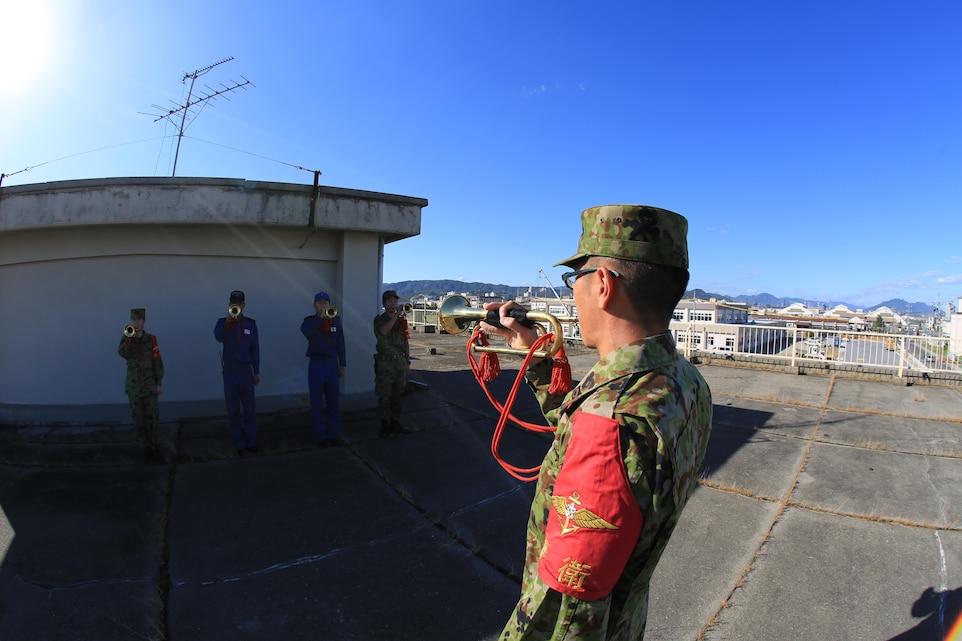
[485, 501]
[304, 560]
[943, 585]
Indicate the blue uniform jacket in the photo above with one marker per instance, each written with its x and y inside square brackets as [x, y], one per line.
[324, 344]
[241, 346]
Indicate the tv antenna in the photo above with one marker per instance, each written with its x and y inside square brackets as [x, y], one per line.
[205, 96]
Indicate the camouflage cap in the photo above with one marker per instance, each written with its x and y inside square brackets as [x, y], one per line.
[138, 313]
[633, 232]
[388, 294]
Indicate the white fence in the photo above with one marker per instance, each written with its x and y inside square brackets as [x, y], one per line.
[424, 315]
[793, 346]
[804, 346]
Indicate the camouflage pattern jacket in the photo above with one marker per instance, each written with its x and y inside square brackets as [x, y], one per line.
[145, 368]
[630, 440]
[392, 348]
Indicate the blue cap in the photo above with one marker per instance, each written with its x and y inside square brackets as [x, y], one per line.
[321, 296]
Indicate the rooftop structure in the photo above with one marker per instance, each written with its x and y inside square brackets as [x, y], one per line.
[76, 256]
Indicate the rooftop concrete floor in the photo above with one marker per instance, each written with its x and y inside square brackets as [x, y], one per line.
[828, 509]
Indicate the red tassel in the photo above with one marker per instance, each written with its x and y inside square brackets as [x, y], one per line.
[560, 374]
[489, 364]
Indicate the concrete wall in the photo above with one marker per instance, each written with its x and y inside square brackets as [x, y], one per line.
[75, 257]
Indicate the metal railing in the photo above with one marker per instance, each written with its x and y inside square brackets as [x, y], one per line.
[797, 346]
[424, 314]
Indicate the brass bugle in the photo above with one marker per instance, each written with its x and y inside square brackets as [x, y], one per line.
[457, 316]
[407, 308]
[234, 311]
[129, 331]
[331, 312]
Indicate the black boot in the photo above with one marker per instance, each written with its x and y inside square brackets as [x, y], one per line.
[385, 429]
[152, 456]
[400, 429]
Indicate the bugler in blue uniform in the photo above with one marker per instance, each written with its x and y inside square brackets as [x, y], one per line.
[241, 361]
[325, 348]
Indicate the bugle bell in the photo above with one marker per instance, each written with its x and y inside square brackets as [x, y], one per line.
[457, 317]
[129, 331]
[234, 311]
[331, 312]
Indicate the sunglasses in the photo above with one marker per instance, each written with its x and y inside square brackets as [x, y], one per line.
[569, 278]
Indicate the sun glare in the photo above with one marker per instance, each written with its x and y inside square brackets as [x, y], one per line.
[25, 41]
[6, 535]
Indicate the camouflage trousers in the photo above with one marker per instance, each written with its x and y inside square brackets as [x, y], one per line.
[390, 381]
[145, 410]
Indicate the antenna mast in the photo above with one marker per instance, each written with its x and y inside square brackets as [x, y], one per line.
[184, 109]
[557, 295]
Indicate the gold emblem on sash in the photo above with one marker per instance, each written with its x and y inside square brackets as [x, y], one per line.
[573, 517]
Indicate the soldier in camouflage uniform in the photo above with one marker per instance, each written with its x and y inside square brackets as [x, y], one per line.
[145, 370]
[630, 436]
[392, 362]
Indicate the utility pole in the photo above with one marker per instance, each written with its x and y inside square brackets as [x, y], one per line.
[184, 110]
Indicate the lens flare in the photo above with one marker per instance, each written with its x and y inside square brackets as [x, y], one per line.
[955, 634]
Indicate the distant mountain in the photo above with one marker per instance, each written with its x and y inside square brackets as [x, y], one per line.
[900, 306]
[897, 305]
[408, 289]
[758, 301]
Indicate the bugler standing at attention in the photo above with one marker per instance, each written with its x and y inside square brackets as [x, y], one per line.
[392, 363]
[325, 347]
[241, 363]
[629, 438]
[145, 371]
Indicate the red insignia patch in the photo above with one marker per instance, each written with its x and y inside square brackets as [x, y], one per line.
[595, 521]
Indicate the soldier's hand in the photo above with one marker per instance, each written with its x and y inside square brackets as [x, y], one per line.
[257, 379]
[518, 335]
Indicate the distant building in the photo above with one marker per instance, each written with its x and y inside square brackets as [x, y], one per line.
[841, 312]
[708, 325]
[691, 310]
[797, 309]
[562, 308]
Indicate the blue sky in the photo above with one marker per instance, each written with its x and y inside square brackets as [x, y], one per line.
[815, 148]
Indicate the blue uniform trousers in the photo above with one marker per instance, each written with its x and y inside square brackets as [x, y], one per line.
[325, 384]
[239, 394]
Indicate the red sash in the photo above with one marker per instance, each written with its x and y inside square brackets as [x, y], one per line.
[594, 521]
